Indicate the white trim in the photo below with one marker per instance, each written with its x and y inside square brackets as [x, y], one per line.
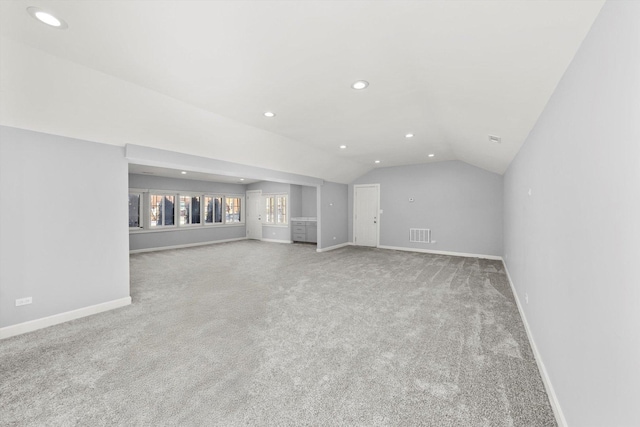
[331, 248]
[167, 228]
[45, 322]
[187, 245]
[553, 399]
[429, 251]
[377, 187]
[276, 241]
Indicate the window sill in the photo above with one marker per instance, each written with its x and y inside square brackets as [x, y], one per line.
[182, 228]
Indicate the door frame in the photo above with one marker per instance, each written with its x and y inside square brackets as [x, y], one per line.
[246, 217]
[377, 187]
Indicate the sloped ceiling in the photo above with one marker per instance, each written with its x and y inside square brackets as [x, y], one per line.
[197, 76]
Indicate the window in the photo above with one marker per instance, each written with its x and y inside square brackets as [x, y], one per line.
[161, 208]
[233, 210]
[213, 209]
[276, 209]
[189, 210]
[135, 208]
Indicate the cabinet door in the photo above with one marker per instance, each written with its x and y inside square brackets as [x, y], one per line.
[312, 232]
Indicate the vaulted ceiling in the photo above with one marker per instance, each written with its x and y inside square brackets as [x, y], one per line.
[197, 76]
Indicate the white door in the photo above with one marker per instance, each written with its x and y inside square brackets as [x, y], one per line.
[365, 215]
[254, 214]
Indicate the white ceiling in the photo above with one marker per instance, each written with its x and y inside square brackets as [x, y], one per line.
[196, 77]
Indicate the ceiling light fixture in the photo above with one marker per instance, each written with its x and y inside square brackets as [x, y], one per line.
[360, 84]
[377, 161]
[494, 138]
[342, 147]
[431, 155]
[47, 18]
[269, 114]
[409, 135]
[183, 173]
[241, 179]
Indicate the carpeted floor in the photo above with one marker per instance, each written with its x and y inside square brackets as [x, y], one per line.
[253, 333]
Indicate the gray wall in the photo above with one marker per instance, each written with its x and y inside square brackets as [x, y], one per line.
[309, 202]
[163, 183]
[460, 203]
[295, 201]
[332, 223]
[187, 235]
[63, 224]
[572, 245]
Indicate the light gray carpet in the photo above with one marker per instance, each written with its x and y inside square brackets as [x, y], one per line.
[252, 333]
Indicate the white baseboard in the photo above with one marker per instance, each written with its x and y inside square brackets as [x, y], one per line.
[188, 245]
[45, 322]
[553, 399]
[276, 241]
[331, 248]
[429, 251]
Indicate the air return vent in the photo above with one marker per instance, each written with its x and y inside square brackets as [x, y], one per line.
[420, 235]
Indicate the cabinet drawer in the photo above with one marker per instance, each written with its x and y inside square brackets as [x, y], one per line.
[299, 237]
[299, 229]
[299, 223]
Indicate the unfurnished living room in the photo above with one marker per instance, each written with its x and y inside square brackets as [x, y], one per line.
[367, 213]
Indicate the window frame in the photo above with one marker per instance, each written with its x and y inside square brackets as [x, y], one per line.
[145, 207]
[164, 194]
[222, 201]
[242, 208]
[190, 196]
[275, 197]
[141, 207]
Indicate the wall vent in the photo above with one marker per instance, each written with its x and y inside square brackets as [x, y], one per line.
[420, 235]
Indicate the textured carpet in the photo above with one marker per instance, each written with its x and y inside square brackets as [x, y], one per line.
[253, 333]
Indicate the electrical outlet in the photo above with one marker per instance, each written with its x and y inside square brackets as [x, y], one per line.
[23, 301]
[526, 298]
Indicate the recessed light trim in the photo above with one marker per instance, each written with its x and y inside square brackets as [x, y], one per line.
[47, 18]
[269, 114]
[342, 147]
[360, 84]
[409, 135]
[431, 155]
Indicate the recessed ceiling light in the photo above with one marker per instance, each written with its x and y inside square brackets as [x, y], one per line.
[409, 135]
[47, 18]
[183, 173]
[241, 179]
[431, 155]
[377, 161]
[360, 84]
[342, 147]
[269, 114]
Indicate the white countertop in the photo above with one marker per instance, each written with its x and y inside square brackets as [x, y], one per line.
[305, 218]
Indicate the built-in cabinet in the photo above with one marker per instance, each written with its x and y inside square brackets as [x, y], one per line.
[304, 230]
